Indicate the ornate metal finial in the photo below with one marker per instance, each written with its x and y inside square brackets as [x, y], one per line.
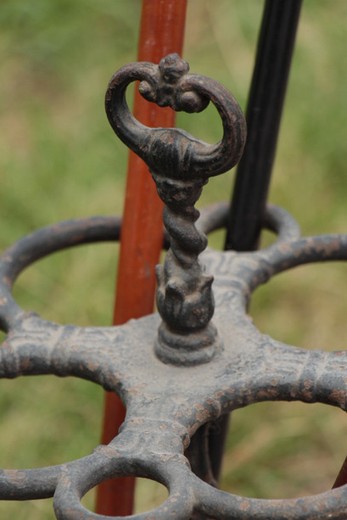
[180, 166]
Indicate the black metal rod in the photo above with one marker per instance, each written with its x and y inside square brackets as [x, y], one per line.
[267, 93]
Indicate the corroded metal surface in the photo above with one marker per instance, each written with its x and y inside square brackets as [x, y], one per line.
[167, 403]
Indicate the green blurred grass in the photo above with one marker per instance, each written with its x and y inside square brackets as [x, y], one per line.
[59, 159]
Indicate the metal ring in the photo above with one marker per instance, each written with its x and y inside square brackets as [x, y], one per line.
[171, 471]
[44, 242]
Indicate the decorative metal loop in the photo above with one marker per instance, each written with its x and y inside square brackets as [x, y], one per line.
[169, 152]
[41, 243]
[276, 219]
[109, 462]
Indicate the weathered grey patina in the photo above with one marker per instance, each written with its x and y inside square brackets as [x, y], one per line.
[175, 371]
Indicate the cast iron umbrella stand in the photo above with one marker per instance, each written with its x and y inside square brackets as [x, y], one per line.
[200, 357]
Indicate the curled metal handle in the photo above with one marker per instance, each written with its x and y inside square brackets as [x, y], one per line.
[171, 152]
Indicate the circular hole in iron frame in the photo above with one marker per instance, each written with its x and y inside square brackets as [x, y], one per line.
[284, 450]
[304, 306]
[149, 494]
[75, 285]
[277, 450]
[267, 238]
[46, 420]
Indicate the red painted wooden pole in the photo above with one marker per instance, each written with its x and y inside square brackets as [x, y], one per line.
[341, 479]
[162, 32]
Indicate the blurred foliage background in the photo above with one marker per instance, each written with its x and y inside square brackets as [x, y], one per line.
[59, 159]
